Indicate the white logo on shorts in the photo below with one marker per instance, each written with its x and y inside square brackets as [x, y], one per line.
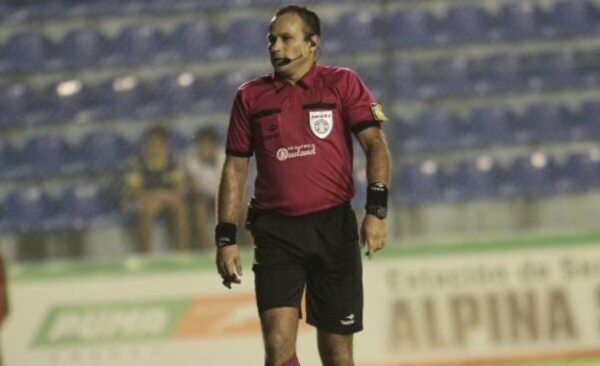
[349, 320]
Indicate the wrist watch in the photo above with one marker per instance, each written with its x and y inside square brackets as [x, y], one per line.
[379, 211]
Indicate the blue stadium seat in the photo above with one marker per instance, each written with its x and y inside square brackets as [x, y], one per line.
[247, 37]
[476, 178]
[45, 155]
[573, 17]
[590, 116]
[418, 183]
[123, 96]
[450, 76]
[14, 104]
[532, 176]
[519, 20]
[87, 204]
[103, 150]
[84, 48]
[8, 159]
[406, 79]
[29, 209]
[180, 93]
[139, 44]
[467, 23]
[411, 27]
[557, 69]
[437, 129]
[580, 172]
[546, 122]
[195, 40]
[492, 125]
[355, 31]
[588, 65]
[67, 100]
[28, 51]
[503, 72]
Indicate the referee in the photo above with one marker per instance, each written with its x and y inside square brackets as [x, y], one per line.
[298, 121]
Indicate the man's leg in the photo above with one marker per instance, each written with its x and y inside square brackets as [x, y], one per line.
[279, 327]
[145, 221]
[335, 349]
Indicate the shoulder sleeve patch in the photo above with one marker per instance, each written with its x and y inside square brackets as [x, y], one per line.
[377, 111]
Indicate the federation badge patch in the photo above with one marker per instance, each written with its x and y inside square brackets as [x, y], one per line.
[377, 111]
[321, 123]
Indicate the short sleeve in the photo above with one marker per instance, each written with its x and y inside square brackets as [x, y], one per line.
[239, 134]
[357, 103]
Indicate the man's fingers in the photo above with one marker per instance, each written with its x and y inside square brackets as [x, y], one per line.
[238, 266]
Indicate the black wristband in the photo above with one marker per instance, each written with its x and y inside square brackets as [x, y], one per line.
[225, 234]
[377, 195]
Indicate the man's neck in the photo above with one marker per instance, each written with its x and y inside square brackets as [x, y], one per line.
[292, 79]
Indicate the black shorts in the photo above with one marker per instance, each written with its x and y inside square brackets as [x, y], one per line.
[318, 251]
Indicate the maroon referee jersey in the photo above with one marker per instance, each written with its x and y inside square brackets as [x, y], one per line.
[301, 134]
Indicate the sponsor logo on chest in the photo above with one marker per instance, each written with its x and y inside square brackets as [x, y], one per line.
[321, 123]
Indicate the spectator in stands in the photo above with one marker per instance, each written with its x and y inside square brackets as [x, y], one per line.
[155, 185]
[203, 162]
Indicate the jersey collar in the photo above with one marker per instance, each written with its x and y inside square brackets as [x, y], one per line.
[307, 81]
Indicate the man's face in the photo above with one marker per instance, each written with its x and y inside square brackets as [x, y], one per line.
[156, 146]
[287, 41]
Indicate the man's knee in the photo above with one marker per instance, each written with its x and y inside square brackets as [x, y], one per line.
[279, 329]
[335, 349]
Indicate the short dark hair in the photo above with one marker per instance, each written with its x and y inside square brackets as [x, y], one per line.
[207, 133]
[312, 22]
[158, 131]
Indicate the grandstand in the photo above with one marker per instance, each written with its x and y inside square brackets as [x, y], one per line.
[494, 110]
[495, 104]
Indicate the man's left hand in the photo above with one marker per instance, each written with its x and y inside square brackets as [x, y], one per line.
[373, 234]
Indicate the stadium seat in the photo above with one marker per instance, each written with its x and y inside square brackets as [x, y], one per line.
[84, 47]
[14, 104]
[138, 44]
[123, 96]
[67, 100]
[30, 209]
[557, 69]
[478, 178]
[45, 155]
[492, 125]
[194, 40]
[180, 93]
[546, 122]
[467, 23]
[8, 159]
[28, 51]
[588, 65]
[437, 130]
[502, 72]
[355, 31]
[590, 117]
[247, 37]
[418, 183]
[103, 150]
[532, 176]
[580, 172]
[411, 27]
[406, 79]
[572, 17]
[87, 204]
[519, 20]
[450, 76]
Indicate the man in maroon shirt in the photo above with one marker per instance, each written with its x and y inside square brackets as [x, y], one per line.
[299, 122]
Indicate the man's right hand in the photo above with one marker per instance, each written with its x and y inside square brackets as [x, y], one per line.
[229, 264]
